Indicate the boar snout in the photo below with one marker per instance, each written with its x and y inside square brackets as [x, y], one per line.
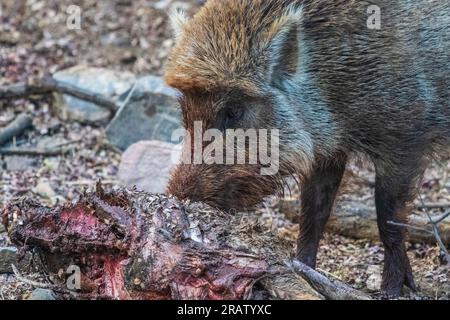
[224, 187]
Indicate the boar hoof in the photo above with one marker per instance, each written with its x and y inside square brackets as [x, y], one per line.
[392, 284]
[308, 259]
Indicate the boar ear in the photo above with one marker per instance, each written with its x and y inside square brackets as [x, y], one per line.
[178, 20]
[282, 48]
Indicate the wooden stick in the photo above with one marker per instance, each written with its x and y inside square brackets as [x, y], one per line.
[404, 225]
[333, 290]
[47, 85]
[59, 149]
[442, 218]
[434, 205]
[46, 152]
[437, 233]
[356, 220]
[15, 128]
[90, 182]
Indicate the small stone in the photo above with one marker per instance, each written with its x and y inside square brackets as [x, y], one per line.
[9, 38]
[42, 294]
[148, 165]
[373, 283]
[45, 190]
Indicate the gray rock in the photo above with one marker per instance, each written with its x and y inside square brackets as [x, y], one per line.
[149, 112]
[45, 191]
[108, 83]
[148, 164]
[42, 294]
[2, 228]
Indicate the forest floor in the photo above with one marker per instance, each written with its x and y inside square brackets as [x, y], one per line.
[134, 36]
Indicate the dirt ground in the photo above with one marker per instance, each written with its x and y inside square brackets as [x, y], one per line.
[135, 36]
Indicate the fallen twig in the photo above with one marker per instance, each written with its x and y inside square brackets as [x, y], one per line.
[56, 150]
[15, 128]
[333, 290]
[433, 205]
[356, 220]
[408, 226]
[47, 85]
[437, 235]
[442, 218]
[46, 152]
[91, 182]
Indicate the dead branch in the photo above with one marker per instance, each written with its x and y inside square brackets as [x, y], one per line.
[441, 244]
[333, 290]
[356, 220]
[90, 182]
[57, 150]
[48, 85]
[46, 152]
[437, 234]
[15, 128]
[433, 205]
[442, 218]
[408, 226]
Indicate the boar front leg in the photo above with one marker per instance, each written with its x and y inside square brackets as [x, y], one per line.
[391, 197]
[318, 195]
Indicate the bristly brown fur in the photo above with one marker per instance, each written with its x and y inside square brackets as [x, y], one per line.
[226, 44]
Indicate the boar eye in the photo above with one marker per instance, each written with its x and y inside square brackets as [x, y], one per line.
[232, 116]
